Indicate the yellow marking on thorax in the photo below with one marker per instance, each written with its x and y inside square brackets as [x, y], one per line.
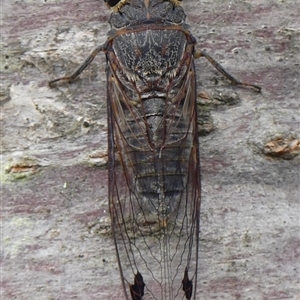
[118, 6]
[176, 2]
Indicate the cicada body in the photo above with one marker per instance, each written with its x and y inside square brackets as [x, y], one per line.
[154, 181]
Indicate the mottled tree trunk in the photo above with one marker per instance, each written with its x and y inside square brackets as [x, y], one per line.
[56, 241]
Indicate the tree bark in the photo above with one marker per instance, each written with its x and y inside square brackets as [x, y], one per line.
[56, 241]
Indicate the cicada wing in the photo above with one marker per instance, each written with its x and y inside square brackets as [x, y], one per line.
[154, 188]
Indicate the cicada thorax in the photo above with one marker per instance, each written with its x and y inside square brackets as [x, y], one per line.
[155, 188]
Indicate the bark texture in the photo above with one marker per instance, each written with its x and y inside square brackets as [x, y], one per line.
[55, 241]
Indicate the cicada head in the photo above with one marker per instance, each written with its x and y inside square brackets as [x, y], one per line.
[117, 4]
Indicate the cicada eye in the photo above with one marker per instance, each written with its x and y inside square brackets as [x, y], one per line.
[112, 3]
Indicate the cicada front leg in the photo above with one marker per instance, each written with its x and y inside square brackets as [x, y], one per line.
[235, 81]
[78, 71]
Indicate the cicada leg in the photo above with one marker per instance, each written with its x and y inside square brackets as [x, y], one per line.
[78, 71]
[235, 81]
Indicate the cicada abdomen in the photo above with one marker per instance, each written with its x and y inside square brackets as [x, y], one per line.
[154, 181]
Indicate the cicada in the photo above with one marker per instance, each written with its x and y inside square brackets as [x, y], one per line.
[154, 168]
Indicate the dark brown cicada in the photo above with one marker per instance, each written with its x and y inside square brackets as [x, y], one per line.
[154, 177]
